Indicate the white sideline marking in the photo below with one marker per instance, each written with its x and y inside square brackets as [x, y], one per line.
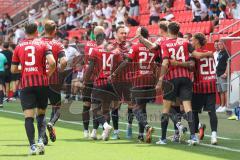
[77, 123]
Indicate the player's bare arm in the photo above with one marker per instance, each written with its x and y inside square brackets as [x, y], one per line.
[163, 71]
[15, 69]
[145, 41]
[89, 72]
[189, 64]
[63, 63]
[52, 64]
[199, 55]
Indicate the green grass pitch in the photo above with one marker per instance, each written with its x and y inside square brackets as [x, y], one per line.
[71, 145]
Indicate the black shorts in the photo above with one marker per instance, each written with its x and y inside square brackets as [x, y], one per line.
[54, 94]
[7, 78]
[123, 90]
[179, 87]
[104, 94]
[16, 76]
[34, 97]
[143, 95]
[86, 93]
[2, 77]
[204, 102]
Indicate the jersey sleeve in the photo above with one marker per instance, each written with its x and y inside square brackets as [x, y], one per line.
[48, 49]
[61, 52]
[92, 56]
[132, 53]
[165, 52]
[15, 57]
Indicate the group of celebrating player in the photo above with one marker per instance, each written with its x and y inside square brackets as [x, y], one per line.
[120, 72]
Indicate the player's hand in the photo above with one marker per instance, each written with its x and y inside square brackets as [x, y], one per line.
[82, 86]
[210, 53]
[174, 63]
[111, 77]
[110, 47]
[138, 32]
[224, 76]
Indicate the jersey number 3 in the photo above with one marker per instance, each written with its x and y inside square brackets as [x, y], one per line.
[31, 54]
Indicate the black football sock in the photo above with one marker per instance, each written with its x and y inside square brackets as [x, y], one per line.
[141, 129]
[95, 122]
[141, 117]
[30, 130]
[1, 96]
[52, 113]
[213, 120]
[196, 121]
[191, 123]
[107, 117]
[164, 125]
[56, 115]
[101, 119]
[115, 118]
[41, 125]
[175, 116]
[130, 116]
[86, 117]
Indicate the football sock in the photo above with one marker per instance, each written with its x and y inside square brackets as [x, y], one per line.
[41, 125]
[115, 118]
[30, 130]
[86, 117]
[164, 125]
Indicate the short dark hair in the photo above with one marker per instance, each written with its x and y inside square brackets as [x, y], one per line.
[180, 35]
[188, 34]
[144, 32]
[30, 28]
[119, 27]
[13, 46]
[50, 26]
[216, 41]
[173, 28]
[163, 26]
[201, 38]
[6, 45]
[223, 7]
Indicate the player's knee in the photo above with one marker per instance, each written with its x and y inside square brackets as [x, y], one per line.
[29, 113]
[212, 114]
[41, 111]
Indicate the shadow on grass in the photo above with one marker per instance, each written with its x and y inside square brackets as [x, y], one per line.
[15, 145]
[11, 140]
[14, 155]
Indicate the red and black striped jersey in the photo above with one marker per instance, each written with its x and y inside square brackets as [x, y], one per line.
[58, 53]
[177, 49]
[123, 53]
[88, 49]
[102, 65]
[144, 65]
[204, 75]
[31, 54]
